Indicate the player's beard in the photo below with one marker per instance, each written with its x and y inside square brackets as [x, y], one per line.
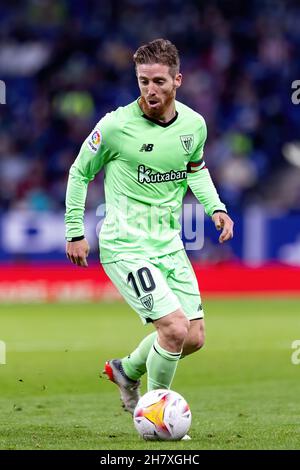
[158, 113]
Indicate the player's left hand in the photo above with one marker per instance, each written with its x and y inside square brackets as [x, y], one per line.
[223, 222]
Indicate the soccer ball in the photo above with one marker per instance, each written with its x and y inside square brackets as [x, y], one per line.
[162, 415]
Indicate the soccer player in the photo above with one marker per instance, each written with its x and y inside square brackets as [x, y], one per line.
[151, 151]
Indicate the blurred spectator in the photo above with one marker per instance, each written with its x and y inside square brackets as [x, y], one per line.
[67, 63]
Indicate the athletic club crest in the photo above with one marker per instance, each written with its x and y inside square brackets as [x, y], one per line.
[147, 302]
[187, 142]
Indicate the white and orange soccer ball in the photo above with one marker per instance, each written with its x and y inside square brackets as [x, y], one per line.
[162, 415]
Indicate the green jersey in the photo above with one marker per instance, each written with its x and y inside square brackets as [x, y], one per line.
[148, 166]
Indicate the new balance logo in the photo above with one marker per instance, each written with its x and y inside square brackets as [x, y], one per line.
[147, 148]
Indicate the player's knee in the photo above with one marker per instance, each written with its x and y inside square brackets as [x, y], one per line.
[179, 331]
[172, 330]
[176, 334]
[199, 341]
[195, 342]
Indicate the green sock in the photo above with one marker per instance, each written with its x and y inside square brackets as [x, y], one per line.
[134, 365]
[161, 367]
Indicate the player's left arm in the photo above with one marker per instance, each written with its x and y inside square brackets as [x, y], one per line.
[201, 184]
[204, 189]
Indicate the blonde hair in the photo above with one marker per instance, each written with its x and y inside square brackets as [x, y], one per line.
[159, 51]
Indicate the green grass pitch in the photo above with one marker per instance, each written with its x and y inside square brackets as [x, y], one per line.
[243, 389]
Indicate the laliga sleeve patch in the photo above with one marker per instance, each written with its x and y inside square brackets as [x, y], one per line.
[94, 140]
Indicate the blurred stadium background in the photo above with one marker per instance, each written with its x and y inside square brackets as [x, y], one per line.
[65, 64]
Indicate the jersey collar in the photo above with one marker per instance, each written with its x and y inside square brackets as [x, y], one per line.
[155, 121]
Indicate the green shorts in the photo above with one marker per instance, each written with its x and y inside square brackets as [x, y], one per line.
[155, 287]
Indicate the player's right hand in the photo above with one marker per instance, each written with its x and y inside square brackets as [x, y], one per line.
[77, 252]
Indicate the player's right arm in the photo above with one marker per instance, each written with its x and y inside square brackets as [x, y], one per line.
[77, 252]
[96, 151]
